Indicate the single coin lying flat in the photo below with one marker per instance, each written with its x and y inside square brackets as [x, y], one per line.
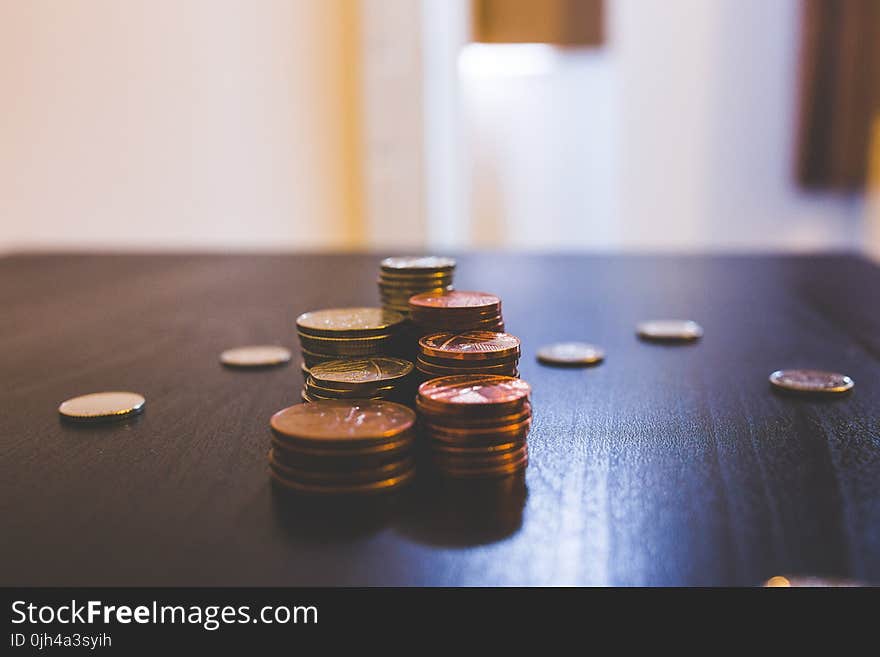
[669, 330]
[571, 354]
[255, 356]
[102, 406]
[813, 381]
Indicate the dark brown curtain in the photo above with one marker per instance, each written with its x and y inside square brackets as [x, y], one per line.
[558, 22]
[840, 91]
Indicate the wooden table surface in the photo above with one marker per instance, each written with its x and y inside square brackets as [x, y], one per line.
[666, 465]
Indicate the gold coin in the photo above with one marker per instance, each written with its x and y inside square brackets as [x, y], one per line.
[99, 406]
[352, 391]
[348, 322]
[347, 346]
[360, 371]
[669, 330]
[813, 381]
[570, 354]
[470, 345]
[255, 356]
[411, 264]
[348, 422]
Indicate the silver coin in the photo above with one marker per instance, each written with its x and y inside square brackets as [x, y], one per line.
[417, 263]
[102, 406]
[255, 356]
[811, 381]
[570, 353]
[669, 330]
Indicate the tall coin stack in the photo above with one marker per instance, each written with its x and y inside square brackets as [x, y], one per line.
[342, 447]
[472, 352]
[345, 333]
[402, 277]
[376, 377]
[476, 424]
[456, 311]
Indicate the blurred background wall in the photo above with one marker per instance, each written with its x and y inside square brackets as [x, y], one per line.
[302, 124]
[191, 124]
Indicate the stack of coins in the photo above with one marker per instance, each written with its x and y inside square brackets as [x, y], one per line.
[342, 447]
[377, 377]
[456, 312]
[339, 333]
[472, 352]
[402, 277]
[476, 424]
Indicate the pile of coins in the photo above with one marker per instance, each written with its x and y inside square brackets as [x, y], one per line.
[402, 277]
[377, 377]
[472, 352]
[340, 333]
[339, 447]
[476, 425]
[456, 311]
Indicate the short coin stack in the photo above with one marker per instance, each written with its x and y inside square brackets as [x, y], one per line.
[472, 352]
[402, 277]
[338, 333]
[342, 448]
[476, 424]
[456, 311]
[376, 377]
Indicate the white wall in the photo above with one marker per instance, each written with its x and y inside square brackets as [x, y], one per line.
[679, 134]
[174, 124]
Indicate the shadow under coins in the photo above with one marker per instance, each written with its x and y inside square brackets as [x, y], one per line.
[460, 512]
[312, 518]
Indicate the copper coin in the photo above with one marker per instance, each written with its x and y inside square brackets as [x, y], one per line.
[504, 369]
[507, 415]
[255, 356]
[810, 581]
[102, 406]
[292, 451]
[488, 471]
[479, 450]
[669, 330]
[456, 300]
[355, 372]
[459, 362]
[811, 381]
[342, 475]
[386, 485]
[348, 322]
[570, 354]
[474, 390]
[470, 345]
[340, 421]
[417, 264]
[476, 433]
[480, 459]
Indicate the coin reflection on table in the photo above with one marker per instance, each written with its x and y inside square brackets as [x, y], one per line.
[255, 356]
[811, 381]
[669, 330]
[571, 354]
[462, 512]
[102, 406]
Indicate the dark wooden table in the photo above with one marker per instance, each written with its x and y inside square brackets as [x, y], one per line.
[665, 465]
